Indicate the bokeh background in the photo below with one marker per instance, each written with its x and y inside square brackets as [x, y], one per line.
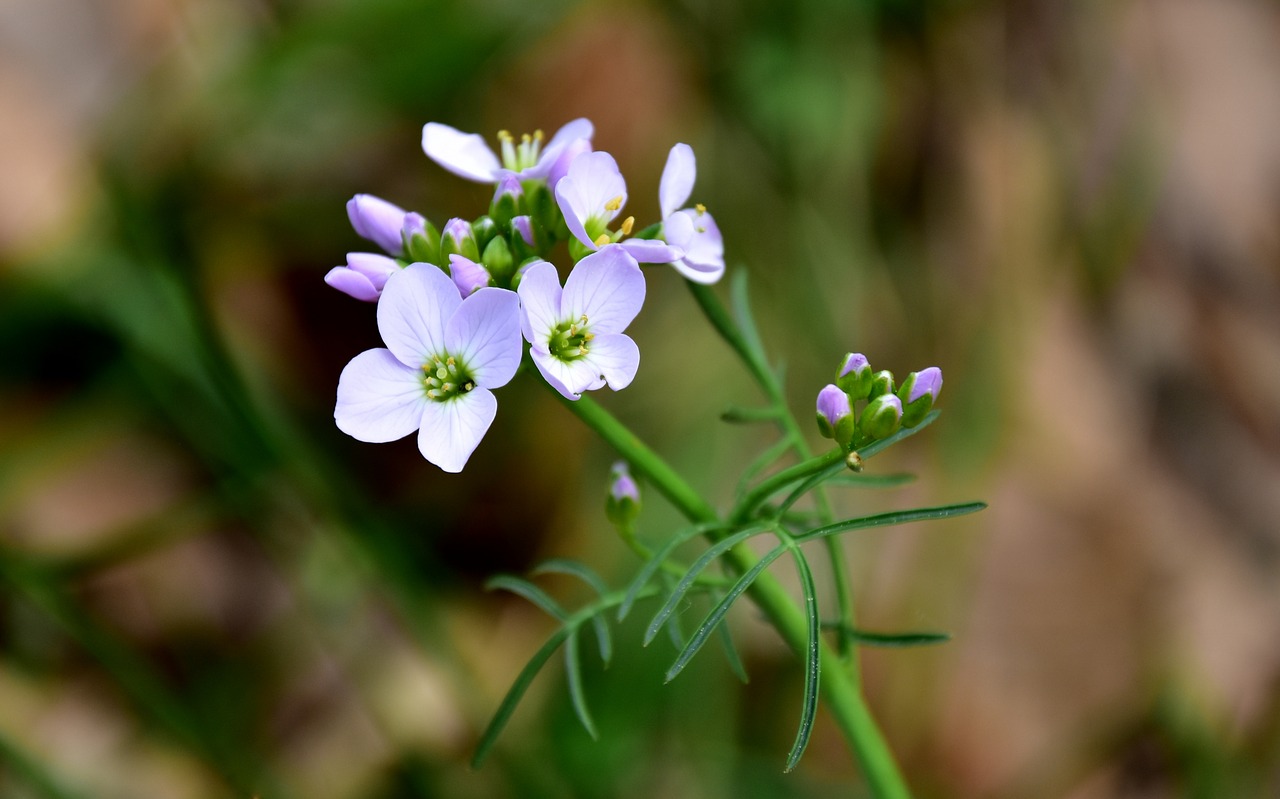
[206, 590]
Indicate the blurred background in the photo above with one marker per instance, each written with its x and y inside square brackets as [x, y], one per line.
[206, 590]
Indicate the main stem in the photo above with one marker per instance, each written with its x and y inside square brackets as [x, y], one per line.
[842, 695]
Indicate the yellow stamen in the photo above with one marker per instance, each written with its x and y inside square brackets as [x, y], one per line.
[700, 208]
[537, 135]
[469, 386]
[614, 204]
[602, 239]
[627, 224]
[450, 361]
[504, 135]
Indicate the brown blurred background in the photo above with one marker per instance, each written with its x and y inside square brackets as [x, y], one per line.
[1074, 209]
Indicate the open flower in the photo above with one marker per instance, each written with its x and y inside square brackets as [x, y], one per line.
[443, 356]
[466, 154]
[576, 334]
[364, 275]
[692, 230]
[591, 196]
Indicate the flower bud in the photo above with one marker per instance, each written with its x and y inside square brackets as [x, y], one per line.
[918, 392]
[458, 238]
[542, 207]
[378, 221]
[835, 415]
[854, 377]
[881, 383]
[498, 261]
[623, 504]
[881, 417]
[364, 275]
[467, 275]
[506, 199]
[484, 230]
[422, 240]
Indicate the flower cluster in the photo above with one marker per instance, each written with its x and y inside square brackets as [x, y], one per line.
[455, 303]
[885, 411]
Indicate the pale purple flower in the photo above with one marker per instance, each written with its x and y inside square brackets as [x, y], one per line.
[692, 230]
[591, 196]
[467, 155]
[576, 334]
[443, 356]
[571, 151]
[364, 275]
[378, 221]
[467, 275]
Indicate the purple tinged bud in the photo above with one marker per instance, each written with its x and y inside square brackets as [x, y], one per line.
[854, 376]
[467, 275]
[927, 381]
[364, 275]
[918, 393]
[458, 237]
[623, 503]
[508, 186]
[881, 417]
[835, 414]
[378, 221]
[522, 225]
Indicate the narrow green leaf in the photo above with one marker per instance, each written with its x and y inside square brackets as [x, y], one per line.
[812, 661]
[655, 562]
[714, 551]
[731, 653]
[863, 480]
[717, 613]
[675, 630]
[588, 576]
[892, 518]
[762, 462]
[516, 693]
[735, 414]
[529, 591]
[808, 485]
[884, 443]
[573, 673]
[893, 640]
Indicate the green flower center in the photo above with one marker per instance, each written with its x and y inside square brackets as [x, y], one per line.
[570, 340]
[522, 154]
[445, 378]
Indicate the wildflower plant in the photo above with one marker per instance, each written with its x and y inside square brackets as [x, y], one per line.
[461, 308]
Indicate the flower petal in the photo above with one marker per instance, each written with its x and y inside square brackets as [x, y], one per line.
[378, 221]
[464, 154]
[539, 292]
[607, 287]
[560, 167]
[652, 251]
[614, 357]
[379, 398]
[452, 430]
[570, 378]
[373, 266]
[579, 130]
[703, 260]
[594, 189]
[485, 334]
[415, 305]
[677, 179]
[352, 283]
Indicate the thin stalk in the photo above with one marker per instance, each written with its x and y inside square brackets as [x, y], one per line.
[768, 382]
[842, 695]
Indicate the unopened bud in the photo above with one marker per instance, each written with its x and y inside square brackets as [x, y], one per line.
[881, 383]
[854, 376]
[506, 199]
[623, 503]
[881, 417]
[835, 415]
[378, 221]
[497, 259]
[421, 239]
[918, 392]
[467, 275]
[458, 238]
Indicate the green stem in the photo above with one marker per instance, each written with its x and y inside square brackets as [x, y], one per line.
[842, 694]
[776, 482]
[753, 358]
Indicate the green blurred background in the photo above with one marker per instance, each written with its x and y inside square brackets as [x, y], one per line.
[206, 590]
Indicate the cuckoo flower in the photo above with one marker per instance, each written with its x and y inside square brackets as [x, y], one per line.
[378, 221]
[364, 275]
[443, 356]
[591, 196]
[576, 334]
[466, 155]
[692, 230]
